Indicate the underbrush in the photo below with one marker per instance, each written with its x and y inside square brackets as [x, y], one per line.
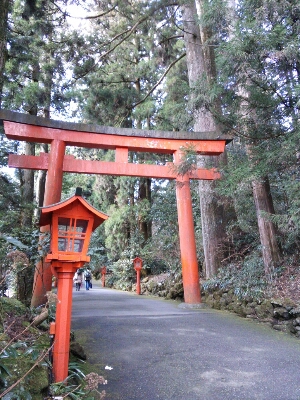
[248, 278]
[25, 354]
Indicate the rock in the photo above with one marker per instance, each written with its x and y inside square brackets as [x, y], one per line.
[179, 288]
[217, 295]
[163, 293]
[77, 350]
[281, 313]
[38, 381]
[291, 327]
[152, 286]
[266, 307]
[278, 327]
[295, 311]
[249, 311]
[276, 302]
[223, 303]
[248, 299]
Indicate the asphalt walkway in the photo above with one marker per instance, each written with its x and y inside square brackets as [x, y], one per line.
[148, 348]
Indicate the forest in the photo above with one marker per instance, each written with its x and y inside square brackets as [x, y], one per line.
[220, 66]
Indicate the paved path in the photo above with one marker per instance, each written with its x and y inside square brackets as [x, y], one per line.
[159, 350]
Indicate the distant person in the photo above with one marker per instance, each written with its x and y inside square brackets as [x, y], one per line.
[88, 279]
[78, 279]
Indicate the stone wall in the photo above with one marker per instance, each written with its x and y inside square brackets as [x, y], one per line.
[280, 314]
[166, 285]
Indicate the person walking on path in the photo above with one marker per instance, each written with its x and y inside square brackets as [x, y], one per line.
[78, 279]
[88, 279]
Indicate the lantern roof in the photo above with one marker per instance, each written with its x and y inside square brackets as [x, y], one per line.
[77, 199]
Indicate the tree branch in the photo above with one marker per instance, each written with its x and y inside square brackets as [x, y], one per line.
[170, 38]
[159, 81]
[128, 32]
[96, 15]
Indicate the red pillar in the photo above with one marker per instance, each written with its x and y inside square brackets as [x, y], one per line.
[103, 272]
[55, 173]
[190, 274]
[65, 272]
[138, 281]
[43, 274]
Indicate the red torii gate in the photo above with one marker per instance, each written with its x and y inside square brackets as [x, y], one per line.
[61, 134]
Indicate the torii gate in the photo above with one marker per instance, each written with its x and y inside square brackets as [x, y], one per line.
[60, 134]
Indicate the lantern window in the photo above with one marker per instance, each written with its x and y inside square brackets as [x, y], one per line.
[71, 234]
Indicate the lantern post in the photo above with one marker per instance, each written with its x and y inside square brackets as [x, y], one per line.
[138, 265]
[103, 273]
[71, 224]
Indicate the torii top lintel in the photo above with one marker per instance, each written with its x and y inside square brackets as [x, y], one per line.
[36, 129]
[40, 130]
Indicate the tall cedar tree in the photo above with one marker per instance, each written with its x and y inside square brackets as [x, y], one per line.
[201, 69]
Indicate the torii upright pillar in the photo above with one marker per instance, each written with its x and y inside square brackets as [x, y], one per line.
[43, 275]
[188, 251]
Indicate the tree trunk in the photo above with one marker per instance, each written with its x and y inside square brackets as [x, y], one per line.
[28, 190]
[25, 279]
[202, 64]
[264, 204]
[41, 181]
[4, 7]
[145, 227]
[145, 194]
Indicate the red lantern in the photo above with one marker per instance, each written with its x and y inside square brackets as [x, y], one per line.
[138, 265]
[72, 222]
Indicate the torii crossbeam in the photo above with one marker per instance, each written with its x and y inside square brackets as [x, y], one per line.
[60, 134]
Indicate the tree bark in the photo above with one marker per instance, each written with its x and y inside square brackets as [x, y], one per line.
[145, 227]
[28, 190]
[41, 181]
[263, 200]
[145, 194]
[4, 7]
[267, 231]
[202, 64]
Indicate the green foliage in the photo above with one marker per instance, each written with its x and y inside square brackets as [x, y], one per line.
[246, 279]
[8, 306]
[79, 386]
[117, 229]
[97, 250]
[35, 72]
[123, 273]
[173, 114]
[162, 248]
[188, 161]
[23, 357]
